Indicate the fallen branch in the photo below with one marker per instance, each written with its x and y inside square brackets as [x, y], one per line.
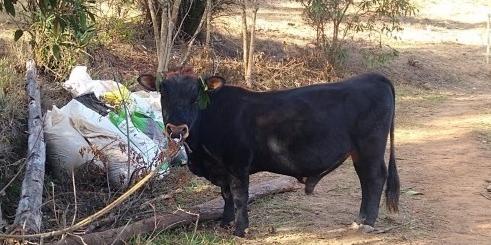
[210, 210]
[28, 214]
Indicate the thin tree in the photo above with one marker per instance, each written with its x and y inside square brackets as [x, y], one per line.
[163, 29]
[204, 18]
[248, 39]
[208, 23]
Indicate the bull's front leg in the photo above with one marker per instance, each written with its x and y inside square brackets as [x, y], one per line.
[228, 208]
[239, 187]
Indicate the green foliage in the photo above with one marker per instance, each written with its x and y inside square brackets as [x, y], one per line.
[113, 29]
[119, 21]
[342, 18]
[185, 237]
[376, 56]
[203, 98]
[59, 31]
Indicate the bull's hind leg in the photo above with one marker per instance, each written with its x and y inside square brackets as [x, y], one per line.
[372, 174]
[370, 167]
[310, 184]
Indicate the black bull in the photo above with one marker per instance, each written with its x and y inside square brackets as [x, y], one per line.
[304, 132]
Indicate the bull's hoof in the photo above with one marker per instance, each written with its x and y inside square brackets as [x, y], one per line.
[301, 179]
[239, 233]
[367, 228]
[310, 184]
[309, 190]
[361, 227]
[226, 224]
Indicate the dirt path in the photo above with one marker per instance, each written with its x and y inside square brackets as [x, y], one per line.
[449, 161]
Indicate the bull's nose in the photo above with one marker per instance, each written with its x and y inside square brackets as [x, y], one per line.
[177, 132]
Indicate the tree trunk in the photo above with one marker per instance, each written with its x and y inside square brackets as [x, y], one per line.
[170, 33]
[210, 210]
[155, 24]
[245, 45]
[208, 23]
[28, 214]
[164, 32]
[192, 11]
[190, 44]
[250, 61]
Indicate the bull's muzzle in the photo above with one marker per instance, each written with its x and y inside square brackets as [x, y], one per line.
[179, 132]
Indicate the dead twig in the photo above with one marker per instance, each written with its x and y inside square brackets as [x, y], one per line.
[2, 192]
[195, 223]
[54, 204]
[74, 197]
[482, 194]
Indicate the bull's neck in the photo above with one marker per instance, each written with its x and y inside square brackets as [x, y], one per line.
[217, 99]
[194, 135]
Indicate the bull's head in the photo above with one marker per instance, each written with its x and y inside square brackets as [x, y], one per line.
[182, 95]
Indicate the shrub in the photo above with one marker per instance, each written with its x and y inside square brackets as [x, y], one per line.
[334, 20]
[59, 31]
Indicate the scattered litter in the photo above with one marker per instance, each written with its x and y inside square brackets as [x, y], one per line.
[109, 126]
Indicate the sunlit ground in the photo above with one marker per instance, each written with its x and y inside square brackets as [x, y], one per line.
[454, 21]
[447, 128]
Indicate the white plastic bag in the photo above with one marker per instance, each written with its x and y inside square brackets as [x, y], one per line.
[65, 146]
[111, 151]
[80, 83]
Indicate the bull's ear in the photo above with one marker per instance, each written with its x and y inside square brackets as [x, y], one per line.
[214, 82]
[149, 82]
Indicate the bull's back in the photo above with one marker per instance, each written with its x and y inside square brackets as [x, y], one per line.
[310, 129]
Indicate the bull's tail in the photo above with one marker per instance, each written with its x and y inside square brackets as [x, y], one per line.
[392, 189]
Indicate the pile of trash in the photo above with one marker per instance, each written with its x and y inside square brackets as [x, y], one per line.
[118, 131]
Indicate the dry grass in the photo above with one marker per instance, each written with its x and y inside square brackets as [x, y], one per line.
[12, 132]
[301, 68]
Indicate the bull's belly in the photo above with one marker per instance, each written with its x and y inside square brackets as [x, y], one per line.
[300, 166]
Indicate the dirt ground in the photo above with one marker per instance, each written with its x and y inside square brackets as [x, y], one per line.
[443, 138]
